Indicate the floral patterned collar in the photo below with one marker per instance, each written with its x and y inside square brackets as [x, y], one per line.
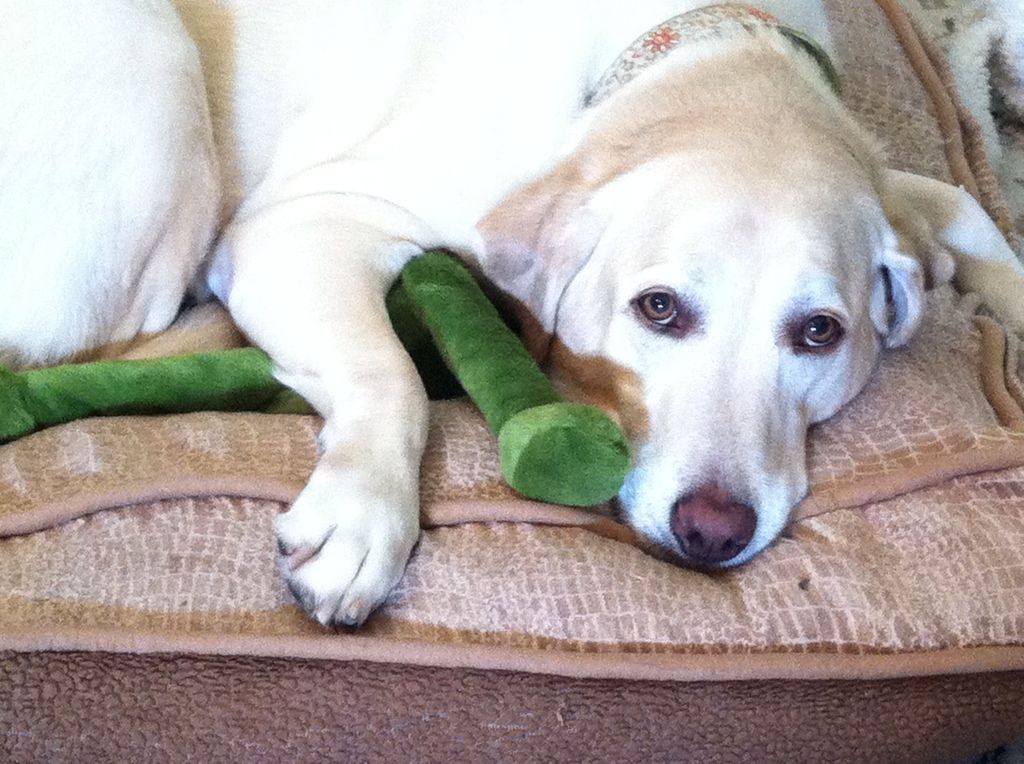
[708, 23]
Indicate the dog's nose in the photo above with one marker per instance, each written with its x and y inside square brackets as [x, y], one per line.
[711, 526]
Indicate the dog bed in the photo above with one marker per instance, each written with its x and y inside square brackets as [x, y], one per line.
[142, 616]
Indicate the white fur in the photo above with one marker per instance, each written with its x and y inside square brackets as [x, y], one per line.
[108, 185]
[347, 137]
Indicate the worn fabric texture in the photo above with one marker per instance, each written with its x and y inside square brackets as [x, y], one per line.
[273, 710]
[142, 616]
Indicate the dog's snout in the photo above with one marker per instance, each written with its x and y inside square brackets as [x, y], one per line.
[711, 526]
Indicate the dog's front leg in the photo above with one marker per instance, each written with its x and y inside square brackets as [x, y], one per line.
[307, 284]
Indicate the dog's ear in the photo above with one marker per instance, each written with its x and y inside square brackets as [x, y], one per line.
[947, 229]
[915, 234]
[911, 260]
[897, 296]
[535, 242]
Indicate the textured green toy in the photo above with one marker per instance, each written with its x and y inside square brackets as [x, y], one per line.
[550, 450]
[225, 380]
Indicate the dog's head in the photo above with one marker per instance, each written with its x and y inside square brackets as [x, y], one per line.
[718, 281]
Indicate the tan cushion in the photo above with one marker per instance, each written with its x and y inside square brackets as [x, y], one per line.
[154, 534]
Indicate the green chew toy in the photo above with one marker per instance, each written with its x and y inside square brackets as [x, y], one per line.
[224, 380]
[566, 453]
[550, 450]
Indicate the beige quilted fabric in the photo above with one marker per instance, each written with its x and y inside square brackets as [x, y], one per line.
[933, 569]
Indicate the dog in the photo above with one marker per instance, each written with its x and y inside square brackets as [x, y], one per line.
[704, 244]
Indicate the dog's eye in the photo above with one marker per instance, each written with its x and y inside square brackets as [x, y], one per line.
[658, 307]
[666, 313]
[820, 331]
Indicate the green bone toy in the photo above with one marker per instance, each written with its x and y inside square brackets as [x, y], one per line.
[550, 450]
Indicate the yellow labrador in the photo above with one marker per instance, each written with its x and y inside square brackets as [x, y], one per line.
[695, 232]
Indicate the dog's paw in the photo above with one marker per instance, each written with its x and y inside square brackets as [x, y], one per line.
[1000, 286]
[345, 547]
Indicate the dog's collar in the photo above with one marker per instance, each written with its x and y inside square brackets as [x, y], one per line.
[711, 22]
